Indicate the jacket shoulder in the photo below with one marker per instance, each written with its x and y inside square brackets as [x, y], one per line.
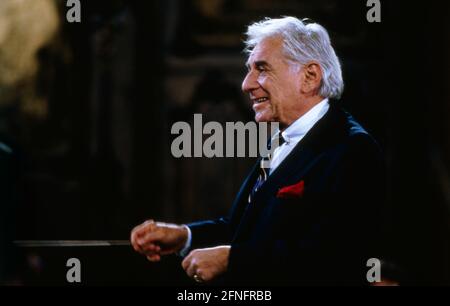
[353, 133]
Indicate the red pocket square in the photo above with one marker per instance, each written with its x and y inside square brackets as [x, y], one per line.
[292, 192]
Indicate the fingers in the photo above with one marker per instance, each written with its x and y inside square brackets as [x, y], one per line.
[151, 249]
[189, 265]
[192, 267]
[155, 239]
[204, 265]
[186, 262]
[151, 237]
[133, 240]
[148, 225]
[148, 243]
[154, 258]
[138, 234]
[192, 270]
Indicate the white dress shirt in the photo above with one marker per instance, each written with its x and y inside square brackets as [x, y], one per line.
[294, 133]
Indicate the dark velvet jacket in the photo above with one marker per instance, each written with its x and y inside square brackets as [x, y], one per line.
[324, 236]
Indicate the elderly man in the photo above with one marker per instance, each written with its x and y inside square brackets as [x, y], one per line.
[313, 219]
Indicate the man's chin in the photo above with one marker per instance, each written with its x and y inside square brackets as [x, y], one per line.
[262, 118]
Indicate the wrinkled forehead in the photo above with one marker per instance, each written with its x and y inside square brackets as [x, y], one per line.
[270, 48]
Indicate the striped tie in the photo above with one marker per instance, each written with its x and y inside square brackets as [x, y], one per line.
[264, 166]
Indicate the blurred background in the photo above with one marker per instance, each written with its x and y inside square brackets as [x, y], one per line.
[86, 110]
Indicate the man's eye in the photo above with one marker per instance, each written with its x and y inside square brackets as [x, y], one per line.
[260, 68]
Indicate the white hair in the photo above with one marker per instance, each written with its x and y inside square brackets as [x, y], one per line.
[302, 43]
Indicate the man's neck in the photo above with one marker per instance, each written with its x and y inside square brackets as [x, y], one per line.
[307, 104]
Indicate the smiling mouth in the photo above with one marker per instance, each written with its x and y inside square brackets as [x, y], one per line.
[260, 100]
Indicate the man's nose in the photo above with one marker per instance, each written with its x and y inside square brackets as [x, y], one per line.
[250, 82]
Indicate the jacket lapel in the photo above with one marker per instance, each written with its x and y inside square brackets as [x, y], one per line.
[297, 163]
[240, 204]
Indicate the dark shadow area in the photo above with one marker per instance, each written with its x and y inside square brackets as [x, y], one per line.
[85, 142]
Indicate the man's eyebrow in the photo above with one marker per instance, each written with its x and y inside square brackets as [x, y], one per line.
[258, 63]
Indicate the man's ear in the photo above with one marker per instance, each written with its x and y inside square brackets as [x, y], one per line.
[312, 78]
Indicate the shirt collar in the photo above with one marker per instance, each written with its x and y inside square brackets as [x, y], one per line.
[295, 132]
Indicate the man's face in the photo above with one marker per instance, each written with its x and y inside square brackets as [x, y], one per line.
[273, 84]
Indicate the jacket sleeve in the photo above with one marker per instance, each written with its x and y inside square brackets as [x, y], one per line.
[210, 233]
[220, 231]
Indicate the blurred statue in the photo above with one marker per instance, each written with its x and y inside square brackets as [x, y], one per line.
[25, 27]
